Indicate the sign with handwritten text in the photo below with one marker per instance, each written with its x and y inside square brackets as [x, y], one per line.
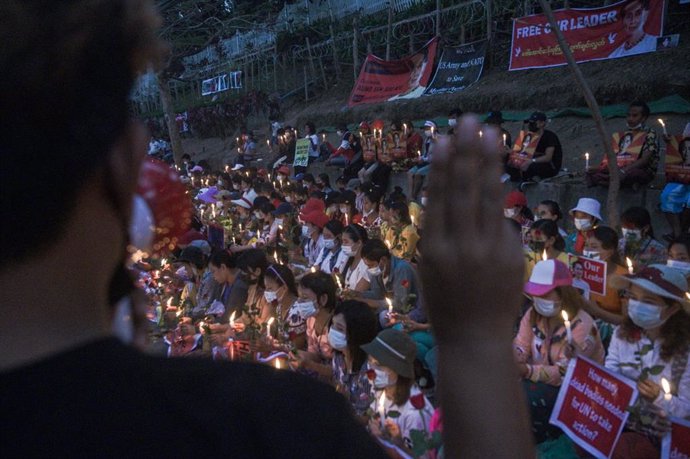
[676, 444]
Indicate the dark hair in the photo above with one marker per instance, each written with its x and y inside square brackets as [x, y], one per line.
[638, 102]
[308, 177]
[246, 179]
[283, 276]
[362, 328]
[374, 250]
[266, 208]
[312, 128]
[186, 156]
[554, 208]
[321, 284]
[550, 229]
[455, 113]
[644, 3]
[252, 259]
[374, 196]
[402, 211]
[356, 232]
[609, 240]
[335, 227]
[223, 257]
[639, 217]
[80, 58]
[325, 179]
[396, 195]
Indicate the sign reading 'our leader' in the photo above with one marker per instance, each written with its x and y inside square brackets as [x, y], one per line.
[623, 29]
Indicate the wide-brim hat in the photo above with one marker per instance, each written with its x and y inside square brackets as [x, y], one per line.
[588, 206]
[660, 280]
[242, 202]
[546, 276]
[393, 349]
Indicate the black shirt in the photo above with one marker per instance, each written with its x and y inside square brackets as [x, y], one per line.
[550, 139]
[106, 399]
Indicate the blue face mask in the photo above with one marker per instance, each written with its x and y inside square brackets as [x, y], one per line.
[645, 315]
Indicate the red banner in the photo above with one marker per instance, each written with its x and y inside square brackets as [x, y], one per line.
[406, 78]
[620, 30]
[676, 445]
[591, 407]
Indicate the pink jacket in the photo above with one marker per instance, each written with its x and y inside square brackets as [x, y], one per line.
[544, 349]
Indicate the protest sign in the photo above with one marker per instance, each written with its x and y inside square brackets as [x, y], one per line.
[676, 445]
[678, 160]
[627, 145]
[591, 271]
[216, 236]
[459, 67]
[302, 153]
[523, 149]
[591, 407]
[592, 33]
[214, 85]
[406, 78]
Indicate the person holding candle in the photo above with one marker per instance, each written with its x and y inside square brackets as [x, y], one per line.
[291, 313]
[355, 270]
[312, 227]
[586, 216]
[331, 259]
[653, 343]
[544, 239]
[354, 324]
[253, 264]
[541, 347]
[638, 241]
[401, 233]
[418, 173]
[320, 289]
[391, 357]
[231, 293]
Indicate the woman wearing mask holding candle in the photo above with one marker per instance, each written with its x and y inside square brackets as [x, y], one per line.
[401, 234]
[586, 216]
[638, 241]
[544, 344]
[291, 313]
[544, 239]
[354, 324]
[355, 275]
[391, 356]
[653, 343]
[331, 258]
[253, 264]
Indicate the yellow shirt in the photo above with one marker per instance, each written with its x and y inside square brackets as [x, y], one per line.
[403, 243]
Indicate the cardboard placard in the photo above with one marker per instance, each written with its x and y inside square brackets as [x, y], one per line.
[523, 149]
[678, 160]
[591, 407]
[302, 147]
[593, 272]
[676, 445]
[627, 145]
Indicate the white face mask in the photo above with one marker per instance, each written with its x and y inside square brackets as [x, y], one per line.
[270, 296]
[383, 379]
[547, 308]
[452, 122]
[305, 308]
[258, 216]
[591, 254]
[279, 221]
[280, 178]
[337, 339]
[583, 224]
[645, 315]
[427, 133]
[343, 210]
[424, 201]
[288, 199]
[347, 250]
[329, 243]
[631, 235]
[683, 266]
[306, 231]
[510, 213]
[374, 271]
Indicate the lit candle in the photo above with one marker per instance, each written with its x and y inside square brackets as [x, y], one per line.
[164, 262]
[277, 363]
[337, 281]
[232, 319]
[275, 256]
[201, 327]
[268, 326]
[432, 131]
[346, 220]
[568, 331]
[412, 218]
[169, 302]
[313, 269]
[481, 134]
[237, 139]
[586, 161]
[382, 405]
[258, 234]
[666, 386]
[232, 350]
[268, 143]
[544, 255]
[213, 210]
[390, 306]
[419, 153]
[240, 226]
[629, 262]
[663, 125]
[405, 128]
[323, 137]
[505, 140]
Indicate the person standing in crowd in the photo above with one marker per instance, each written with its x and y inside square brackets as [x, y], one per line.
[641, 170]
[548, 154]
[310, 133]
[400, 406]
[541, 347]
[586, 216]
[353, 325]
[638, 241]
[655, 335]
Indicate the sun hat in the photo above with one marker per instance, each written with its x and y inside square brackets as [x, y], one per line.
[588, 206]
[283, 209]
[660, 280]
[318, 218]
[393, 349]
[515, 198]
[242, 202]
[546, 276]
[429, 124]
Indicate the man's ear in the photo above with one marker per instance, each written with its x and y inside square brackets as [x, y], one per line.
[124, 162]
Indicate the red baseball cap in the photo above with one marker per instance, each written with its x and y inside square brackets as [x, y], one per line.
[515, 198]
[318, 218]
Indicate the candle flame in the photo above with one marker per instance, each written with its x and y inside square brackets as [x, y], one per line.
[687, 295]
[390, 305]
[277, 364]
[564, 315]
[661, 122]
[275, 256]
[382, 403]
[313, 269]
[544, 256]
[270, 321]
[587, 156]
[232, 318]
[665, 385]
[164, 261]
[629, 262]
[170, 301]
[201, 326]
[481, 134]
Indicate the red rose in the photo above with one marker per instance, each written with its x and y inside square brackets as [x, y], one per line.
[371, 374]
[405, 283]
[417, 401]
